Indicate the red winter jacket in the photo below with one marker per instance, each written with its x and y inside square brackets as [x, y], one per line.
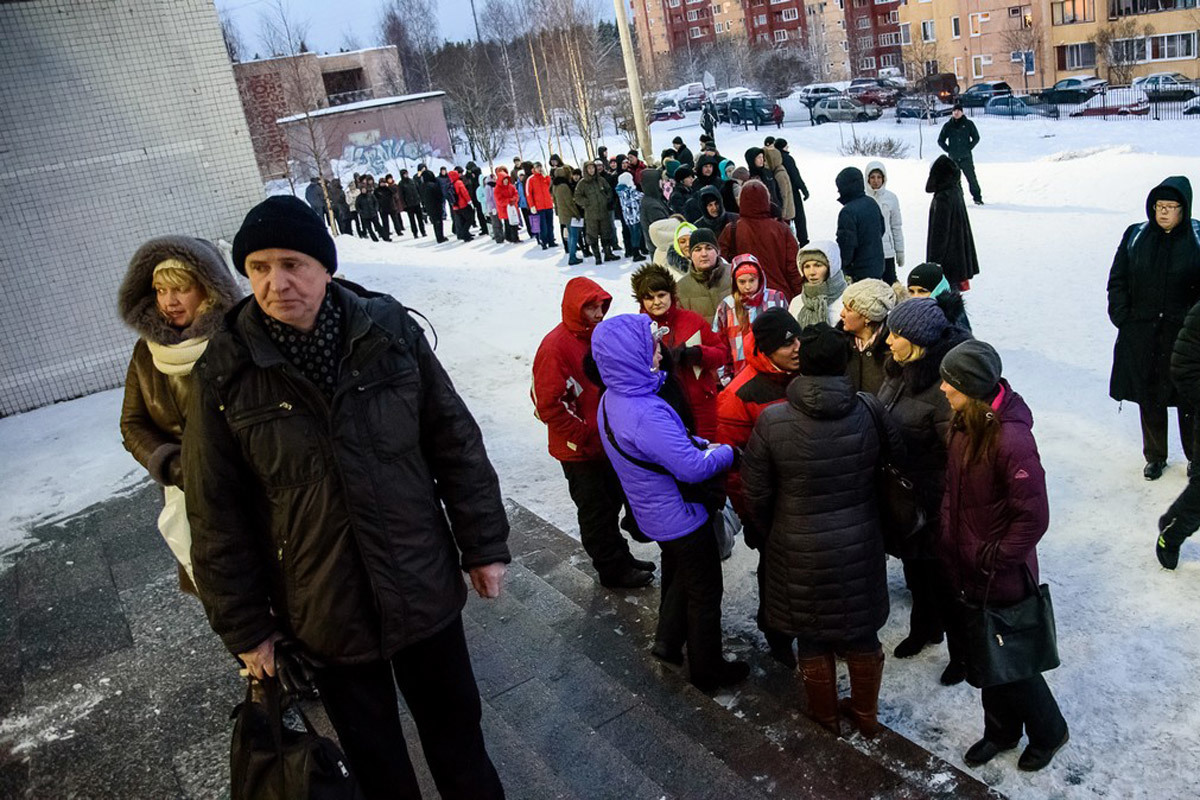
[995, 511]
[563, 397]
[537, 192]
[505, 192]
[758, 385]
[462, 196]
[768, 239]
[699, 383]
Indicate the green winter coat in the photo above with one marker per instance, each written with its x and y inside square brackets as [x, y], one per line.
[703, 293]
[593, 195]
[564, 197]
[958, 138]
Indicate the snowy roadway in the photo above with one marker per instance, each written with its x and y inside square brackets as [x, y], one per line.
[1059, 195]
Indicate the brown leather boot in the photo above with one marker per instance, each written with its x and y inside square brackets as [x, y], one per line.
[820, 686]
[866, 674]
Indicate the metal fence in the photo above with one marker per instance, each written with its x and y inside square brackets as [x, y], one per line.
[1121, 103]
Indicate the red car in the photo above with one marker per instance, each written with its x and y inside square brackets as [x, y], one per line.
[875, 93]
[1115, 103]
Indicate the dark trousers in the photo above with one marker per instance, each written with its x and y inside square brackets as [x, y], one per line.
[357, 224]
[385, 221]
[1024, 705]
[1183, 517]
[889, 271]
[967, 165]
[510, 232]
[438, 233]
[930, 597]
[811, 648]
[546, 227]
[689, 610]
[371, 224]
[801, 221]
[463, 229]
[414, 219]
[398, 222]
[598, 499]
[483, 221]
[1155, 435]
[525, 215]
[438, 685]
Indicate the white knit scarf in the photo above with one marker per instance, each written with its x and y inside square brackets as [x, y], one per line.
[177, 359]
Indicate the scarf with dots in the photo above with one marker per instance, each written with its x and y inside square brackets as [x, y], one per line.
[316, 354]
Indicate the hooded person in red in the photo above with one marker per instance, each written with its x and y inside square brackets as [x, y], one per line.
[565, 398]
[766, 238]
[462, 202]
[507, 203]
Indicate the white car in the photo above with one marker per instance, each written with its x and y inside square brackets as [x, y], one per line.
[810, 94]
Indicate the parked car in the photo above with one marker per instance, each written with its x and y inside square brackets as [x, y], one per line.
[1024, 106]
[721, 101]
[1192, 106]
[978, 95]
[1167, 86]
[1115, 102]
[942, 84]
[1075, 89]
[666, 109]
[922, 106]
[810, 94]
[751, 106]
[691, 96]
[879, 93]
[844, 109]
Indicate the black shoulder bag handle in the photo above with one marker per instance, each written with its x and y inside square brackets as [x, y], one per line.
[900, 513]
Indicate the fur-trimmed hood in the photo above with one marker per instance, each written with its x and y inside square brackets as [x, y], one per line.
[136, 298]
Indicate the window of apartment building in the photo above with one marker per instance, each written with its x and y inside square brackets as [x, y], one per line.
[862, 23]
[716, 11]
[761, 19]
[1076, 56]
[845, 46]
[674, 3]
[866, 42]
[889, 40]
[841, 24]
[790, 14]
[905, 33]
[867, 63]
[893, 17]
[781, 36]
[1173, 45]
[927, 31]
[955, 28]
[977, 65]
[695, 31]
[861, 3]
[693, 16]
[764, 38]
[777, 2]
[931, 67]
[1024, 58]
[958, 73]
[1068, 12]
[1129, 51]
[883, 2]
[975, 22]
[889, 60]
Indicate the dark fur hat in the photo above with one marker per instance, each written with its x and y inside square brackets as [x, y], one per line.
[651, 278]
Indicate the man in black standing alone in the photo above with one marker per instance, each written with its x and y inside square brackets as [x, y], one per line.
[958, 138]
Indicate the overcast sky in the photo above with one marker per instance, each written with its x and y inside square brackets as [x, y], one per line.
[332, 20]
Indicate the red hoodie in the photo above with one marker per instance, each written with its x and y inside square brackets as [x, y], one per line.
[463, 197]
[537, 192]
[505, 193]
[768, 239]
[563, 396]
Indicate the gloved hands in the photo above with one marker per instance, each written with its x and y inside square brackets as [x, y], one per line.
[899, 259]
[805, 194]
[687, 356]
[294, 670]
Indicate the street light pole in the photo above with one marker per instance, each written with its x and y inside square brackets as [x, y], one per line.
[633, 82]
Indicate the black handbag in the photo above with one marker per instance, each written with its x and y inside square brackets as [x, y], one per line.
[1004, 645]
[900, 512]
[271, 761]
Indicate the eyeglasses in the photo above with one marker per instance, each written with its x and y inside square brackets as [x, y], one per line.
[1167, 206]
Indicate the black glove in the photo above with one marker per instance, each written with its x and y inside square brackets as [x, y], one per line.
[294, 670]
[689, 356]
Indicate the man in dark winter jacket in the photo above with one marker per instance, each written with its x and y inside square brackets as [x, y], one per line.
[684, 178]
[434, 203]
[368, 211]
[654, 205]
[386, 201]
[709, 210]
[799, 190]
[315, 196]
[338, 489]
[958, 138]
[682, 154]
[566, 399]
[859, 227]
[410, 196]
[1154, 280]
[471, 179]
[1183, 517]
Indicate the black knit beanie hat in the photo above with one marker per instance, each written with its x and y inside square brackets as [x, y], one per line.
[288, 223]
[920, 320]
[823, 351]
[973, 368]
[703, 236]
[928, 276]
[773, 329]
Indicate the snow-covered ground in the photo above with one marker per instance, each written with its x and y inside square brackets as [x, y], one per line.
[1059, 195]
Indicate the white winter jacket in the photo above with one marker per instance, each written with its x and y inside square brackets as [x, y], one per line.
[889, 204]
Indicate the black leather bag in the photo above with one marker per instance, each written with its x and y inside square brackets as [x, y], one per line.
[900, 512]
[270, 761]
[1005, 645]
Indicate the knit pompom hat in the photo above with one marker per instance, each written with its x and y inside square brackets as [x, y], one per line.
[870, 297]
[920, 320]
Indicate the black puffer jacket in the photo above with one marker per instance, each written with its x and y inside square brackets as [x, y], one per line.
[913, 397]
[859, 227]
[343, 524]
[808, 477]
[1151, 286]
[409, 195]
[432, 199]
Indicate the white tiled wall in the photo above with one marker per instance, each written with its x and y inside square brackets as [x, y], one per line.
[119, 121]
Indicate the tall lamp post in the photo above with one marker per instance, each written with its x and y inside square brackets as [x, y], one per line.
[632, 81]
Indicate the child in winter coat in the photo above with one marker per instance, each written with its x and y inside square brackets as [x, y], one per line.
[631, 209]
[893, 225]
[487, 200]
[737, 312]
[507, 204]
[820, 299]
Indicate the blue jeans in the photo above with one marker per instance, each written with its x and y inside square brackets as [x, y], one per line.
[546, 227]
[572, 240]
[635, 235]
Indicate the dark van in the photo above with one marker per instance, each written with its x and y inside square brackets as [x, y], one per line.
[944, 85]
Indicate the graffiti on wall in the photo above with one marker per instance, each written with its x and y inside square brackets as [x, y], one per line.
[369, 152]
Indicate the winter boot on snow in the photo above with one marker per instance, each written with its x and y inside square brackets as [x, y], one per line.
[609, 255]
[1169, 542]
[819, 674]
[866, 675]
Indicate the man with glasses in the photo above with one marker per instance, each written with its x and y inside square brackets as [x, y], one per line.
[1155, 279]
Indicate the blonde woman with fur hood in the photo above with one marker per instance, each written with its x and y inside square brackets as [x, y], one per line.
[820, 299]
[175, 295]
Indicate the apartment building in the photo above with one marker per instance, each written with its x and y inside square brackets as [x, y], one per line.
[872, 36]
[827, 38]
[1169, 45]
[774, 22]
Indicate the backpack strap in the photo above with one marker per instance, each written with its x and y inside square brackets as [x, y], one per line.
[875, 409]
[1142, 228]
[637, 462]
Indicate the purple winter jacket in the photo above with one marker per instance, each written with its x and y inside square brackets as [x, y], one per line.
[995, 511]
[648, 429]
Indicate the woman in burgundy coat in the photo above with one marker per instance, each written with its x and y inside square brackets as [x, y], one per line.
[994, 512]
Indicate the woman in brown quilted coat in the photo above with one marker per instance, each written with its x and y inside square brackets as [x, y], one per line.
[175, 295]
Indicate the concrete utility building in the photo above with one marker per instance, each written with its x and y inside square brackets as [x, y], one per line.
[121, 122]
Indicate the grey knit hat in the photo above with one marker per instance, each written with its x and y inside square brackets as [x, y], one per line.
[870, 297]
[920, 320]
[973, 368]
